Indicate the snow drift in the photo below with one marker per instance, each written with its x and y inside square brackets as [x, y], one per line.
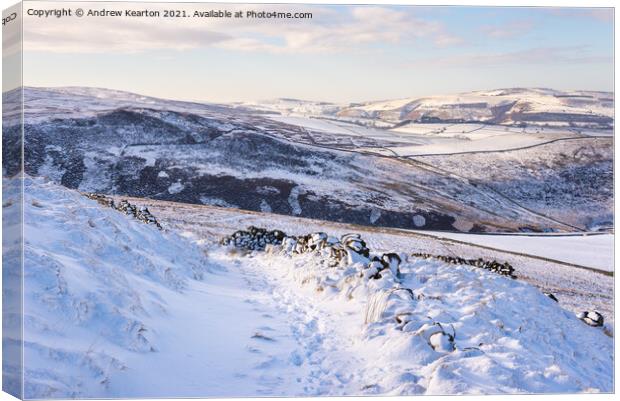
[91, 276]
[446, 329]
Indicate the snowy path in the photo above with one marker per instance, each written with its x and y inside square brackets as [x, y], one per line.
[323, 346]
[320, 357]
[224, 337]
[255, 336]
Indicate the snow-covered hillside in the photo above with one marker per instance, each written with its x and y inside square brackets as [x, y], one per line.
[532, 106]
[45, 104]
[568, 180]
[97, 288]
[117, 308]
[512, 106]
[331, 169]
[288, 106]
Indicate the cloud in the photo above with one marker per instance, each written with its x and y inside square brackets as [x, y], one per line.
[600, 14]
[507, 31]
[97, 38]
[331, 30]
[533, 56]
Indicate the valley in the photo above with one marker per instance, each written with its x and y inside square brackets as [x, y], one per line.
[484, 176]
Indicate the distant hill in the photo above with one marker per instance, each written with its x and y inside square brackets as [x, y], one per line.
[515, 106]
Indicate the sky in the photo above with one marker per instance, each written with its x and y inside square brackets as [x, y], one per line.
[343, 54]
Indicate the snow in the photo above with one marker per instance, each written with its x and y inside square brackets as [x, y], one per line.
[577, 289]
[264, 206]
[95, 178]
[117, 308]
[96, 285]
[478, 105]
[419, 220]
[210, 344]
[375, 214]
[292, 106]
[417, 139]
[337, 161]
[311, 123]
[594, 250]
[331, 126]
[500, 142]
[176, 187]
[469, 106]
[42, 104]
[501, 326]
[48, 169]
[293, 201]
[205, 200]
[542, 171]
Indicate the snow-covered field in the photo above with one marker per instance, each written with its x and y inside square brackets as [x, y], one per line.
[417, 139]
[595, 251]
[116, 308]
[335, 127]
[488, 143]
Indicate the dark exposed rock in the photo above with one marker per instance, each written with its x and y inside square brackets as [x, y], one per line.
[592, 318]
[505, 269]
[139, 213]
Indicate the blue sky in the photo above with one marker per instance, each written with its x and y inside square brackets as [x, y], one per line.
[345, 53]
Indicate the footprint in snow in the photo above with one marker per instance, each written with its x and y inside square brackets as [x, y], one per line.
[343, 378]
[268, 363]
[296, 359]
[371, 389]
[265, 328]
[253, 350]
[260, 336]
[269, 381]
